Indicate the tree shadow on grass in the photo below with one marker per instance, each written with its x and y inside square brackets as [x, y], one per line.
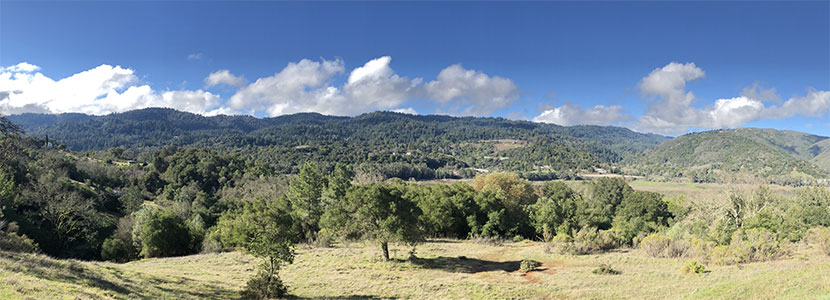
[133, 284]
[463, 264]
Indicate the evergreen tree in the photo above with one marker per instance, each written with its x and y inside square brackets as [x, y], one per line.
[304, 194]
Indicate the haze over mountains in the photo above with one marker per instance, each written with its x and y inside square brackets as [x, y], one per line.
[452, 144]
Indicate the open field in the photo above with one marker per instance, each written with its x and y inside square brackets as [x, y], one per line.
[446, 269]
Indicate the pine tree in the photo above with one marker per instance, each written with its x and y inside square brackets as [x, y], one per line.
[304, 194]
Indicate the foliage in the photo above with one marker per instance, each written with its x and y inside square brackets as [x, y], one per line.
[10, 240]
[264, 229]
[555, 210]
[748, 246]
[305, 192]
[606, 194]
[528, 265]
[585, 241]
[380, 212]
[165, 234]
[641, 212]
[264, 286]
[115, 249]
[820, 236]
[606, 269]
[503, 198]
[693, 267]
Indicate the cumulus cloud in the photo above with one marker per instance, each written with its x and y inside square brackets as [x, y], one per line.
[815, 104]
[470, 92]
[572, 114]
[224, 77]
[299, 87]
[306, 86]
[100, 90]
[671, 111]
[303, 86]
[21, 67]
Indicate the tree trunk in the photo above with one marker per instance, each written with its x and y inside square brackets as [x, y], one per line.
[385, 247]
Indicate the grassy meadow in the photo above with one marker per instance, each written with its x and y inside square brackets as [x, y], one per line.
[445, 269]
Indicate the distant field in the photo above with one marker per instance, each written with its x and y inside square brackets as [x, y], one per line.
[356, 271]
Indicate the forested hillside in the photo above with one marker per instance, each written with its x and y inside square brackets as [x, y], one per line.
[738, 155]
[391, 144]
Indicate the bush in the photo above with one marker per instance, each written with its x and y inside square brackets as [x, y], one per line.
[748, 246]
[586, 241]
[165, 234]
[659, 245]
[605, 269]
[115, 249]
[655, 244]
[820, 236]
[693, 267]
[641, 212]
[10, 241]
[264, 286]
[528, 265]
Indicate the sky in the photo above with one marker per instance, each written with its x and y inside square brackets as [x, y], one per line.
[659, 67]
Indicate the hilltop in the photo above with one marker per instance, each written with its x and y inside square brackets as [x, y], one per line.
[744, 154]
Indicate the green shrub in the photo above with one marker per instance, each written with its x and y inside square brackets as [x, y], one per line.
[659, 245]
[639, 213]
[586, 241]
[264, 286]
[165, 234]
[693, 267]
[748, 246]
[723, 255]
[115, 249]
[528, 265]
[820, 236]
[605, 269]
[11, 241]
[655, 244]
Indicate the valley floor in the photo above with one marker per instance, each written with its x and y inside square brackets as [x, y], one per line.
[446, 269]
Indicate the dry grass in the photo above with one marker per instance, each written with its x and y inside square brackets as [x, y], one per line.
[355, 271]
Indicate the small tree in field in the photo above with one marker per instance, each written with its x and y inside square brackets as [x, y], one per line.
[264, 229]
[381, 213]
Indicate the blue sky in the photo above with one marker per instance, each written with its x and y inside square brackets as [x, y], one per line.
[544, 61]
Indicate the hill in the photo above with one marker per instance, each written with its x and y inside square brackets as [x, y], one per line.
[738, 155]
[420, 146]
[440, 272]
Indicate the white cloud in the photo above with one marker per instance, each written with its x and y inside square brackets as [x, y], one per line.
[731, 113]
[195, 56]
[224, 77]
[815, 104]
[100, 90]
[306, 86]
[471, 92]
[408, 110]
[672, 111]
[23, 67]
[571, 114]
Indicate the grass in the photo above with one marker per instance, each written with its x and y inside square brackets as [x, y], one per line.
[445, 269]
